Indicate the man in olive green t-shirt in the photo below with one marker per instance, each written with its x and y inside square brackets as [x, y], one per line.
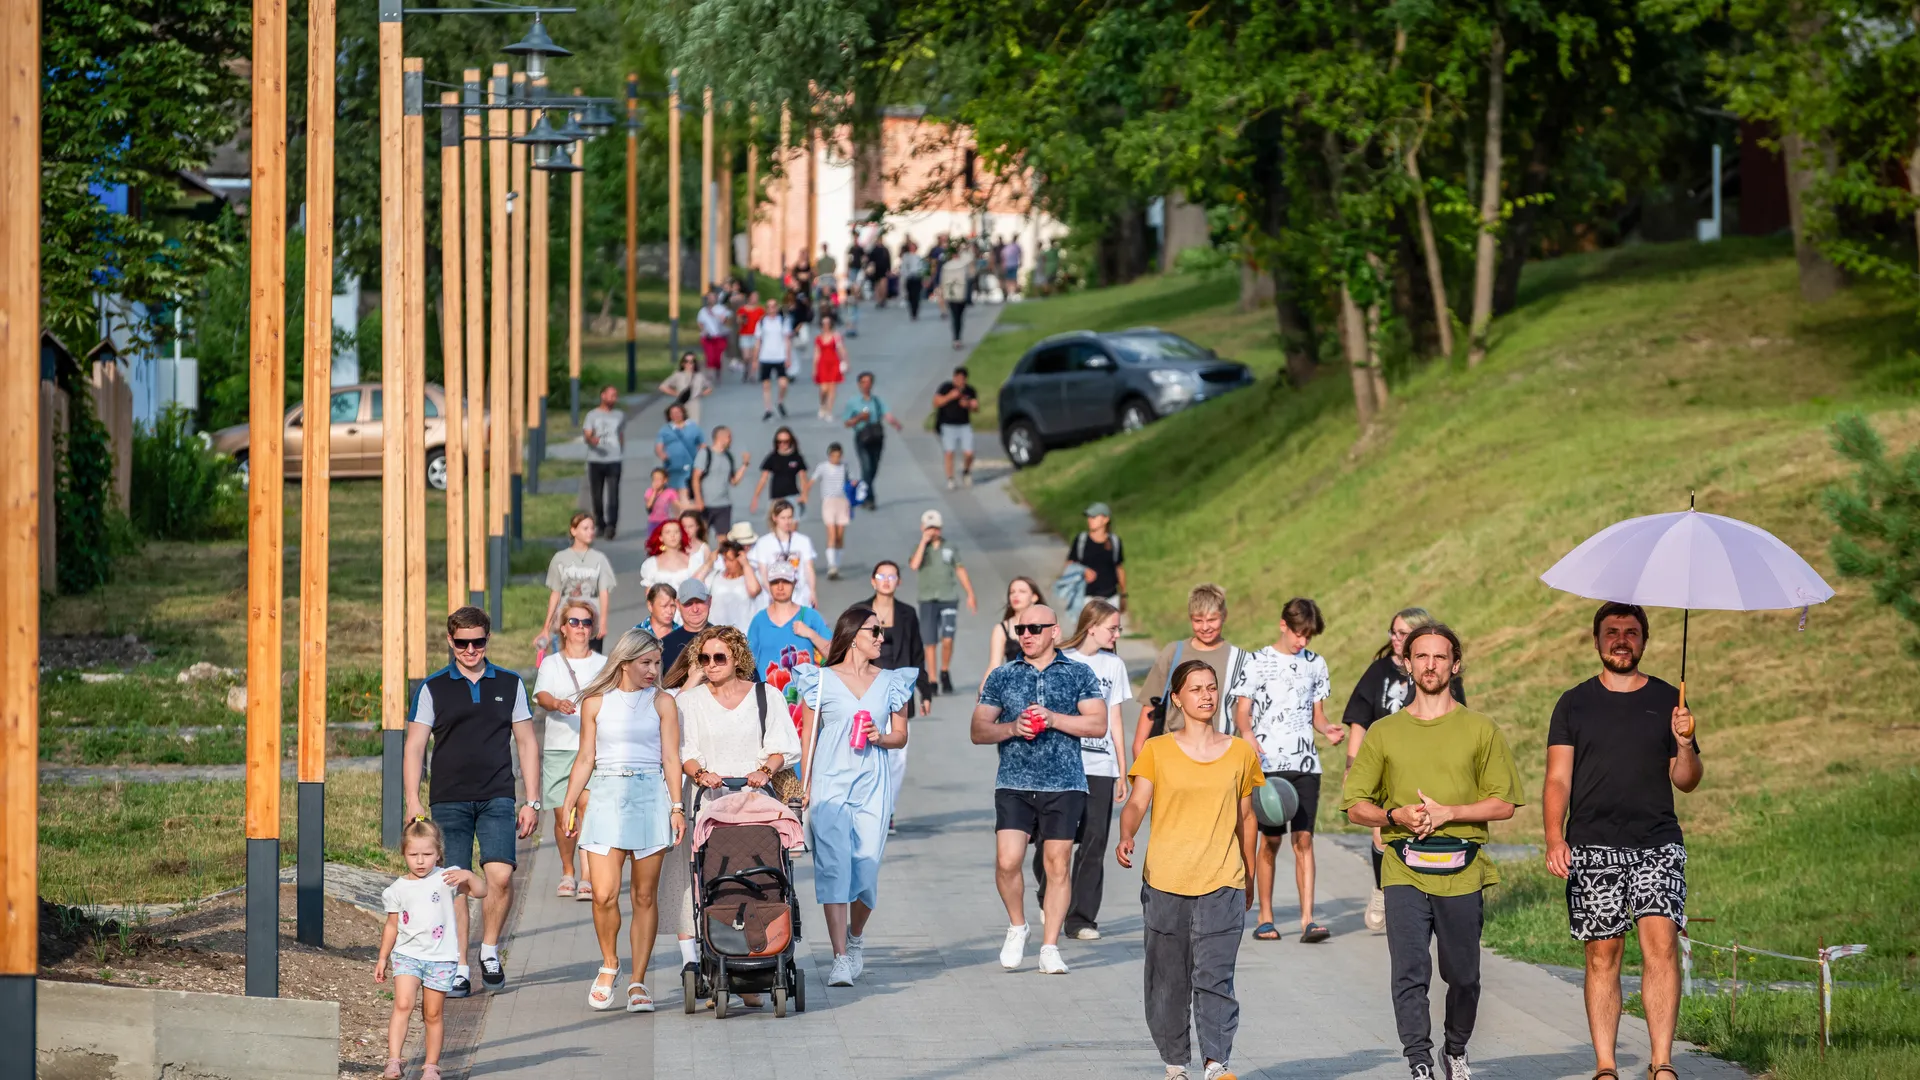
[1433, 769]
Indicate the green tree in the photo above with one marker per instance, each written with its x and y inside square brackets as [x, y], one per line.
[1879, 519]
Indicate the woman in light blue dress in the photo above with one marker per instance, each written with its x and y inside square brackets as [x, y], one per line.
[853, 713]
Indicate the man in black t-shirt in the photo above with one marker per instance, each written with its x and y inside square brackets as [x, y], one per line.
[1617, 746]
[954, 404]
[1098, 554]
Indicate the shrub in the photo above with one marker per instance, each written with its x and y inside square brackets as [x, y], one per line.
[182, 490]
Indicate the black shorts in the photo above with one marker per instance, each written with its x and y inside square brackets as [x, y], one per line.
[1611, 888]
[771, 370]
[1308, 785]
[1042, 815]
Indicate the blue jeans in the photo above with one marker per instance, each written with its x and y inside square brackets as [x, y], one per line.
[491, 821]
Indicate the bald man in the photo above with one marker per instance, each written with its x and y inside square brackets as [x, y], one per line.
[1037, 709]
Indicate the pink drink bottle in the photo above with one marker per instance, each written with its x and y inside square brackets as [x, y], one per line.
[860, 721]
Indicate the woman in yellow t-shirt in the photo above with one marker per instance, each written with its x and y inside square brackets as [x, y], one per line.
[1200, 784]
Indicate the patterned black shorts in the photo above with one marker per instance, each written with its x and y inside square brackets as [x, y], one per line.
[1610, 888]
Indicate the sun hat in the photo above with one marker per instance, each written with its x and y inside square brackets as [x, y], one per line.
[930, 520]
[1275, 802]
[1100, 509]
[741, 533]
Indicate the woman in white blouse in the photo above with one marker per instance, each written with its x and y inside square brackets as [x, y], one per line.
[668, 563]
[557, 689]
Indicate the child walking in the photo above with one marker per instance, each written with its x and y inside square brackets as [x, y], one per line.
[418, 948]
[836, 510]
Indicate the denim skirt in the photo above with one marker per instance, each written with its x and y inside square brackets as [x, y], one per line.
[629, 810]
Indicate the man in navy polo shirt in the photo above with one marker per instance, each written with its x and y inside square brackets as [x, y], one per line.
[477, 716]
[1037, 709]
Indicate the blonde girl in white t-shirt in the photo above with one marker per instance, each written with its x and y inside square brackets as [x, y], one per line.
[417, 948]
[1104, 760]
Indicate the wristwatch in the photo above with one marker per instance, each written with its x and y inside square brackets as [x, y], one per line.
[534, 804]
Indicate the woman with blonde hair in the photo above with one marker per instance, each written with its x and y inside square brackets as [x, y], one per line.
[1384, 689]
[1104, 760]
[627, 729]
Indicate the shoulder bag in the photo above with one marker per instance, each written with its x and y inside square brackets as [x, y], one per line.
[785, 784]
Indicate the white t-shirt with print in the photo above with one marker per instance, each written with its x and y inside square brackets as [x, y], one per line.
[1282, 690]
[563, 730]
[795, 550]
[1096, 754]
[425, 907]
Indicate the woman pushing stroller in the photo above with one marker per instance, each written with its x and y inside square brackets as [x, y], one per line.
[852, 713]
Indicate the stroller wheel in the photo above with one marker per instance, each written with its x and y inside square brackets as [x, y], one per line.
[799, 989]
[720, 996]
[779, 1002]
[690, 987]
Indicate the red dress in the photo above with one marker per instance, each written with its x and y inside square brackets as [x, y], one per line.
[827, 364]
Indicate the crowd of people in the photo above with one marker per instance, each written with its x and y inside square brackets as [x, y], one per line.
[1225, 753]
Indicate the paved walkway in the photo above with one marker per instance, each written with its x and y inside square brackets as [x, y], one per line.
[934, 1003]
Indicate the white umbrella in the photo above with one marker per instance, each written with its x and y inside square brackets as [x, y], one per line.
[1689, 560]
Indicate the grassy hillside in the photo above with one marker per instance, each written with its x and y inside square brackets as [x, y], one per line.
[1624, 380]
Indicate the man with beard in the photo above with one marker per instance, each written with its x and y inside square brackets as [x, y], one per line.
[1431, 777]
[1617, 746]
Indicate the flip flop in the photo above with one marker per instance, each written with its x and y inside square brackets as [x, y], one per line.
[1315, 933]
[1266, 932]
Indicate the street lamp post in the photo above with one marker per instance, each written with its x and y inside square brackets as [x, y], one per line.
[633, 257]
[474, 204]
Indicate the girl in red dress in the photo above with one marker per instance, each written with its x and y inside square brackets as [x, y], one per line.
[829, 363]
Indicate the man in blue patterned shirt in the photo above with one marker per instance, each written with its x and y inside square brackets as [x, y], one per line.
[1037, 709]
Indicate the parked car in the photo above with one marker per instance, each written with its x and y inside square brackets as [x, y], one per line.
[356, 435]
[1081, 385]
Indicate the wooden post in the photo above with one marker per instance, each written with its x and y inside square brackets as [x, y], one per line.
[476, 442]
[707, 259]
[266, 414]
[538, 223]
[452, 326]
[20, 521]
[393, 344]
[316, 458]
[633, 257]
[813, 186]
[673, 217]
[412, 411]
[517, 301]
[574, 235]
[787, 158]
[500, 362]
[753, 195]
[723, 214]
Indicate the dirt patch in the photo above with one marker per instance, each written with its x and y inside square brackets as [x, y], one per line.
[204, 951]
[91, 651]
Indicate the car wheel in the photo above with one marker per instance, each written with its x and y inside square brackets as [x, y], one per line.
[1135, 414]
[437, 469]
[1023, 444]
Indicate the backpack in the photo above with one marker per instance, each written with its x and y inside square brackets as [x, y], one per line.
[955, 289]
[1080, 542]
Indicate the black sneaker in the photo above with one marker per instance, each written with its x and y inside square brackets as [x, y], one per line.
[461, 987]
[946, 682]
[493, 972]
[783, 409]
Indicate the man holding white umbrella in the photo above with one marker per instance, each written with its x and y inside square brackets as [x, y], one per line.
[1617, 747]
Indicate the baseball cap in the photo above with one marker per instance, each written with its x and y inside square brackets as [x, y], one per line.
[782, 572]
[694, 589]
[930, 520]
[1100, 509]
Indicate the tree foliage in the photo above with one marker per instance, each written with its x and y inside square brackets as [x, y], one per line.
[1878, 516]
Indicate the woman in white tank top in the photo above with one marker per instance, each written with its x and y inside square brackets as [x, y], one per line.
[635, 811]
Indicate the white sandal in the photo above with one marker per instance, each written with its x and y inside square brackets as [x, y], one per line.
[638, 1000]
[583, 890]
[566, 886]
[600, 998]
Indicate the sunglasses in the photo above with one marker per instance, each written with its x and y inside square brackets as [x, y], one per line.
[1024, 629]
[571, 621]
[466, 644]
[783, 442]
[875, 631]
[886, 577]
[716, 658]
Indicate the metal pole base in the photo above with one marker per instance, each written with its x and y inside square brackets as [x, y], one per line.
[263, 917]
[477, 598]
[514, 497]
[574, 387]
[496, 577]
[310, 889]
[633, 378]
[18, 1001]
[393, 788]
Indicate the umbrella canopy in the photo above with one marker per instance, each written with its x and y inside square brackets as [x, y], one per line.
[1689, 560]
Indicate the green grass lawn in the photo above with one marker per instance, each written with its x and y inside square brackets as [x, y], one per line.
[1624, 380]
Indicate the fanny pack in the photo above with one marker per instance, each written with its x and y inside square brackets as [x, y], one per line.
[1436, 854]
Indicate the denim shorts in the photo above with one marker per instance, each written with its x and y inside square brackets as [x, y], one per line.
[490, 821]
[630, 811]
[433, 974]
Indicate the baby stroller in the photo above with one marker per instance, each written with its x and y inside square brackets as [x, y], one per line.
[746, 915]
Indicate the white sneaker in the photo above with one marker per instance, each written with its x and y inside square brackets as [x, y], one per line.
[950, 484]
[1050, 961]
[1014, 948]
[1457, 1067]
[1217, 1070]
[1377, 910]
[1177, 1072]
[842, 973]
[1087, 933]
[857, 953]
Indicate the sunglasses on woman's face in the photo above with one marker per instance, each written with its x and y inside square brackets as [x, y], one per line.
[469, 644]
[783, 442]
[716, 658]
[875, 631]
[572, 621]
[886, 577]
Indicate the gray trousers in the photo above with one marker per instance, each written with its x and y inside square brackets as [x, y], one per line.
[1192, 944]
[1414, 919]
